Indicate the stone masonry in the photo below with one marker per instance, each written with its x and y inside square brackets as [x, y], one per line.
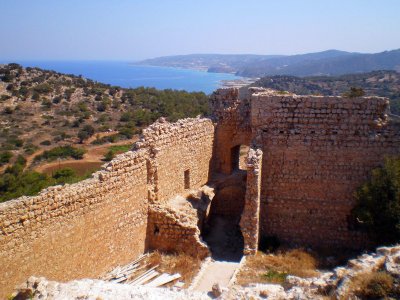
[85, 229]
[307, 156]
[250, 222]
[316, 152]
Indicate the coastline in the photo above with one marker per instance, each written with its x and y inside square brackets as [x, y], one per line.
[223, 83]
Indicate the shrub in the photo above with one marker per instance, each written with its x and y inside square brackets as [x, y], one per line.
[86, 132]
[64, 173]
[30, 148]
[378, 203]
[113, 150]
[354, 92]
[45, 143]
[5, 157]
[102, 106]
[8, 110]
[61, 152]
[4, 97]
[43, 88]
[46, 103]
[15, 182]
[372, 285]
[125, 117]
[273, 276]
[109, 155]
[57, 99]
[106, 139]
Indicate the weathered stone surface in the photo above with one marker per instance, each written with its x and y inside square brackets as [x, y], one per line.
[174, 226]
[316, 151]
[96, 289]
[392, 264]
[84, 229]
[216, 290]
[307, 156]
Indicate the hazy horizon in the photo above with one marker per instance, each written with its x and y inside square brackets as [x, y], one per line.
[129, 30]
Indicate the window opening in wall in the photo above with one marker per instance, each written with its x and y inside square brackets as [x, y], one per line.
[238, 157]
[187, 179]
[156, 230]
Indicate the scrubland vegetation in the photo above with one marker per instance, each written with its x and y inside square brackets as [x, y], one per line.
[16, 182]
[54, 114]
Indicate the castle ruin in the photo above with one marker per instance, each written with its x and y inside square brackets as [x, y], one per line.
[305, 157]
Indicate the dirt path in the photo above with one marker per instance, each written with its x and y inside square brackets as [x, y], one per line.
[224, 239]
[99, 136]
[219, 272]
[30, 158]
[226, 245]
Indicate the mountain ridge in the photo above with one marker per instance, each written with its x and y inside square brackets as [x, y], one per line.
[329, 62]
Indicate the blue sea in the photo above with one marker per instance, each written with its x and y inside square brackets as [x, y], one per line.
[127, 75]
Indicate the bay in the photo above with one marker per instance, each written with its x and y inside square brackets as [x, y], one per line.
[128, 75]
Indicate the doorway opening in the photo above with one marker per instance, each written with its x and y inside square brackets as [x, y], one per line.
[221, 230]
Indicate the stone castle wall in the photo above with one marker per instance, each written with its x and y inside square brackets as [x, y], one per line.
[176, 230]
[307, 156]
[185, 146]
[84, 229]
[79, 230]
[316, 152]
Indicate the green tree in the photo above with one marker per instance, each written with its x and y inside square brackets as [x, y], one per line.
[64, 174]
[86, 132]
[354, 92]
[109, 155]
[5, 157]
[378, 203]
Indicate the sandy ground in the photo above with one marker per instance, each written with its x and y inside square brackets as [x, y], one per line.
[226, 248]
[219, 272]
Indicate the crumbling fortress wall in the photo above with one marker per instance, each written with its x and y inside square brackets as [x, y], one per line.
[84, 229]
[307, 156]
[316, 152]
[79, 230]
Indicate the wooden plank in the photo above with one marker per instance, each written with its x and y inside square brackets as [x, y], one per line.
[161, 280]
[120, 271]
[179, 284]
[119, 280]
[157, 280]
[144, 274]
[147, 278]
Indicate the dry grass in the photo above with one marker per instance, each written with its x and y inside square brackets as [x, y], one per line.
[274, 268]
[181, 263]
[371, 285]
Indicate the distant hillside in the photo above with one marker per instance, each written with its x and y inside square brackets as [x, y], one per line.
[330, 62]
[218, 63]
[43, 109]
[380, 83]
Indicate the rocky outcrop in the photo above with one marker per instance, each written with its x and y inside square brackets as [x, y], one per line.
[336, 284]
[40, 288]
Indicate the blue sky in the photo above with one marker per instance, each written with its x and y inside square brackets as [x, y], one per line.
[137, 29]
